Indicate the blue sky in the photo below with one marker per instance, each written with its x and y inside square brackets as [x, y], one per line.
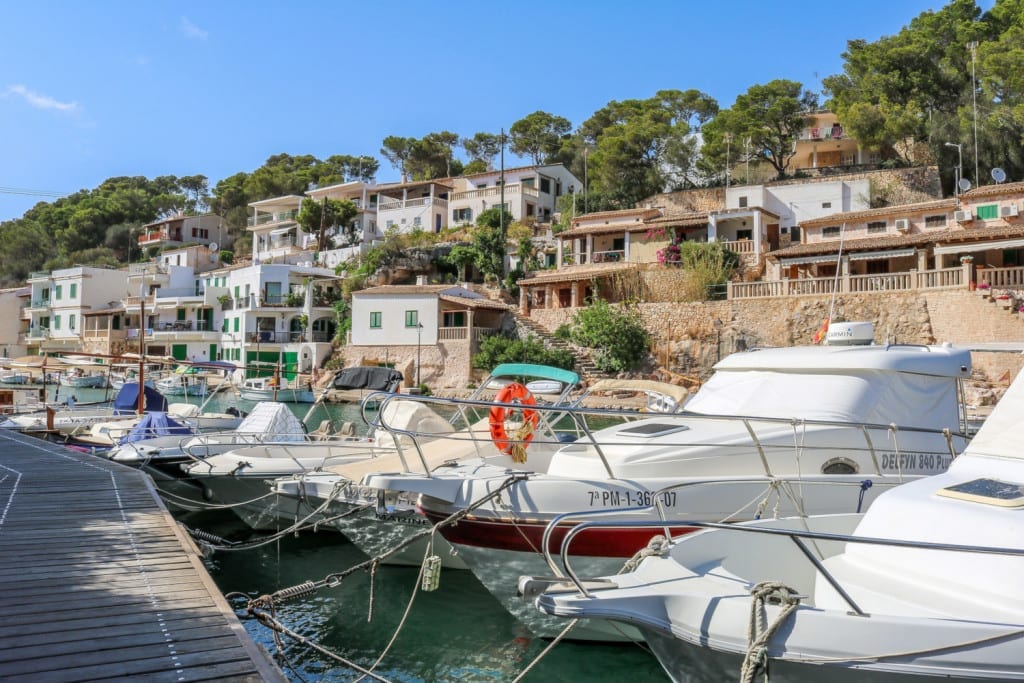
[90, 90]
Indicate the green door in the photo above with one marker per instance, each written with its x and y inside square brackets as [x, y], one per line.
[213, 352]
[291, 364]
[179, 351]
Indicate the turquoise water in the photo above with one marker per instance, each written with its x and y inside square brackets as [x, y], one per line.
[456, 633]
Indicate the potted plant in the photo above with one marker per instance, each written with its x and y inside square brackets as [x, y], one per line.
[1007, 301]
[984, 289]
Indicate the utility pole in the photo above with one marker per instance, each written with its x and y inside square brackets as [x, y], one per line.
[973, 47]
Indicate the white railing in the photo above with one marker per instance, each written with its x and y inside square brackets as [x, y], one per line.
[1006, 278]
[514, 188]
[462, 333]
[944, 278]
[399, 204]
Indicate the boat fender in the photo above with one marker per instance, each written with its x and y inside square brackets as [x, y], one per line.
[513, 394]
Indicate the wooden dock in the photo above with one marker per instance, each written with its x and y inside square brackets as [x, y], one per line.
[97, 580]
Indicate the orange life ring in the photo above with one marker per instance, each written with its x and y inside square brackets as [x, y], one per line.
[518, 394]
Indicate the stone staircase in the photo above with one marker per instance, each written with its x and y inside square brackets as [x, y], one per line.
[584, 363]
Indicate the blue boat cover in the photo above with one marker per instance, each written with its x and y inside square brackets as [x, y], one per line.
[127, 400]
[155, 424]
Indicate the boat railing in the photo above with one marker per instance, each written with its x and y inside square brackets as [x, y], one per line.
[572, 426]
[197, 447]
[800, 537]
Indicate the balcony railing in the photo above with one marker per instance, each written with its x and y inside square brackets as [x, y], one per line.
[484, 192]
[1007, 278]
[462, 333]
[854, 284]
[267, 218]
[39, 303]
[268, 337]
[398, 204]
[39, 275]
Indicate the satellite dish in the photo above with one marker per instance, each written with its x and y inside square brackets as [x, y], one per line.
[998, 174]
[213, 246]
[964, 184]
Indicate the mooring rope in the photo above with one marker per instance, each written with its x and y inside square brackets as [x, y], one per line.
[758, 631]
[259, 606]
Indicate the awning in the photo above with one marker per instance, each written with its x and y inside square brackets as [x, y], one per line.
[873, 255]
[855, 256]
[978, 246]
[281, 231]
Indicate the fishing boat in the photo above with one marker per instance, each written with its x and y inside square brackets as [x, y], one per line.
[185, 380]
[275, 389]
[80, 378]
[817, 429]
[925, 585]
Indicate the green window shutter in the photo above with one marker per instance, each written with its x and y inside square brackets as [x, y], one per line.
[57, 291]
[74, 291]
[987, 212]
[236, 325]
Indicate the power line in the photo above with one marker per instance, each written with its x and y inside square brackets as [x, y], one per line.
[31, 193]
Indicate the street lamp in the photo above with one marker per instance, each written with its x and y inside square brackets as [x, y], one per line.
[958, 173]
[728, 144]
[419, 334]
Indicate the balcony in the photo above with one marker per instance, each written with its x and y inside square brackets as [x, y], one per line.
[486, 192]
[39, 303]
[399, 204]
[834, 132]
[268, 218]
[943, 278]
[462, 333]
[39, 275]
[155, 236]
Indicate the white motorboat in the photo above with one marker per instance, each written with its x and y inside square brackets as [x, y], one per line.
[380, 522]
[819, 429]
[107, 434]
[66, 419]
[927, 584]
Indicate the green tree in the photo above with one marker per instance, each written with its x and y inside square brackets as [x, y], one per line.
[538, 135]
[636, 148]
[482, 147]
[490, 239]
[399, 151]
[460, 256]
[771, 116]
[615, 335]
[496, 349]
[330, 215]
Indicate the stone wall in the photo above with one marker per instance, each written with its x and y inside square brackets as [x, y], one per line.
[444, 366]
[688, 338]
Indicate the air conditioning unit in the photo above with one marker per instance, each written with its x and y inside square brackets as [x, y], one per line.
[963, 216]
[903, 224]
[1008, 211]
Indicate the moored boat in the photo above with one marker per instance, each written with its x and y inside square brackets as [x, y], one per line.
[925, 585]
[818, 429]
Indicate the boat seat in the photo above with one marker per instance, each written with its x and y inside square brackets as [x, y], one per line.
[323, 431]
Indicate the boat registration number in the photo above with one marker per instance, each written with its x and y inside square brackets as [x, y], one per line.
[630, 498]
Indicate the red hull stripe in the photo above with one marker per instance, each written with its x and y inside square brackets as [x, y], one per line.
[502, 534]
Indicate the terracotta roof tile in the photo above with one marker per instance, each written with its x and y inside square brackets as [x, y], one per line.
[901, 210]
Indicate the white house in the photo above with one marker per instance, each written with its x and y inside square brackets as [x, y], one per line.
[276, 234]
[363, 227]
[437, 327]
[61, 297]
[530, 192]
[275, 312]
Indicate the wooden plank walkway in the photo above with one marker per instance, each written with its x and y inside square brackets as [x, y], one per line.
[98, 582]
